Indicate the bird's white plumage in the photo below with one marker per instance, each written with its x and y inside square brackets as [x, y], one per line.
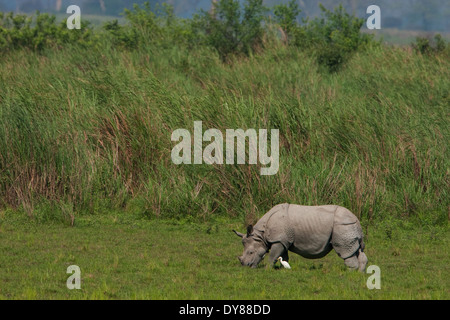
[284, 263]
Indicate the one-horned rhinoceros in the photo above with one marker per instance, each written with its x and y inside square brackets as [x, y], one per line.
[310, 231]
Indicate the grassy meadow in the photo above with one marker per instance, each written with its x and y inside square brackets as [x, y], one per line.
[127, 257]
[86, 175]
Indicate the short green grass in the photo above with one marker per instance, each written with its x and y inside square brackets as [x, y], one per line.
[122, 256]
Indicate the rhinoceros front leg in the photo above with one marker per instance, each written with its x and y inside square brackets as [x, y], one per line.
[277, 250]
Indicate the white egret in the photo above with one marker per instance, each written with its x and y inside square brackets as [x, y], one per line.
[284, 263]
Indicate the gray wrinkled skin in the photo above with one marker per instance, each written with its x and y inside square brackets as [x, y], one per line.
[254, 248]
[310, 231]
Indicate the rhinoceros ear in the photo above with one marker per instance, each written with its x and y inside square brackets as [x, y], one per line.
[238, 233]
[249, 230]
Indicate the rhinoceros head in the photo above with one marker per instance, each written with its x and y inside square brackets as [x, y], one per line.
[254, 248]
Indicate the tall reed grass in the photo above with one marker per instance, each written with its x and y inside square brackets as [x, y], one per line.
[87, 130]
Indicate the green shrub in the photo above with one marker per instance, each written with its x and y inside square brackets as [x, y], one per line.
[143, 22]
[39, 32]
[229, 29]
[332, 38]
[335, 36]
[123, 36]
[428, 47]
[147, 26]
[286, 17]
